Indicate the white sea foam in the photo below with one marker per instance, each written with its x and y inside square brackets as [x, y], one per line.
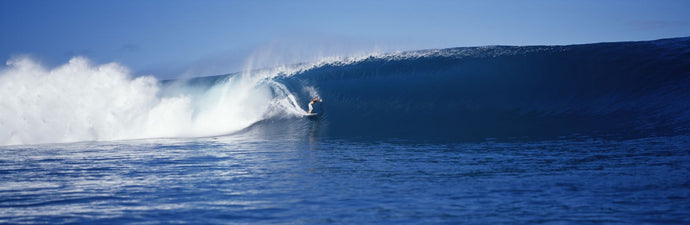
[79, 101]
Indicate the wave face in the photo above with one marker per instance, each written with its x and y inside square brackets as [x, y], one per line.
[626, 89]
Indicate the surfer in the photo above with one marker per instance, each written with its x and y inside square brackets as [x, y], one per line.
[311, 103]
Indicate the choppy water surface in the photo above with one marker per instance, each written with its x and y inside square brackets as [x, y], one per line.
[235, 179]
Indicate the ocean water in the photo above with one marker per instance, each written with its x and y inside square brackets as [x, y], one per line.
[225, 180]
[578, 134]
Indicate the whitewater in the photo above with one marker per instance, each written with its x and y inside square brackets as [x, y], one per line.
[83, 102]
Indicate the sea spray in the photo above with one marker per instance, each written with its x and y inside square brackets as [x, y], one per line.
[79, 101]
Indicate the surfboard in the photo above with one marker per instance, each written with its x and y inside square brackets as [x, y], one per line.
[312, 117]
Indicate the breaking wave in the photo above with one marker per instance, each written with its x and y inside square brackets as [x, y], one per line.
[625, 89]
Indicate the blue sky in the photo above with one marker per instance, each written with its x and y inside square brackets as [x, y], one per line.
[169, 38]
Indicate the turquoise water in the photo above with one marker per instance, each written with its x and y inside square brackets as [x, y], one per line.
[310, 180]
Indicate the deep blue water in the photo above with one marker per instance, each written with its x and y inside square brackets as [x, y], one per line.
[578, 134]
[333, 181]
